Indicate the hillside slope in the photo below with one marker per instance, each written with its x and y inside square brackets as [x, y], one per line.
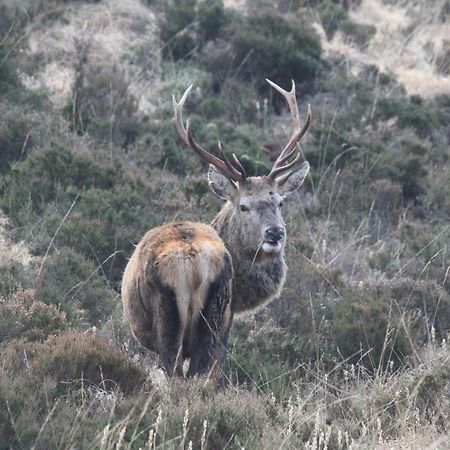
[355, 353]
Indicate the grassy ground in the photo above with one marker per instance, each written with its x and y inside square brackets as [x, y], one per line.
[354, 354]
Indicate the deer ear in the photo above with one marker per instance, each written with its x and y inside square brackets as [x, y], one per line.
[220, 184]
[291, 181]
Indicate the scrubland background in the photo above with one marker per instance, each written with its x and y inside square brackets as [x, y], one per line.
[354, 354]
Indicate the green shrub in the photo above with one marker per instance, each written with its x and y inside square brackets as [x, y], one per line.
[234, 418]
[77, 286]
[15, 134]
[411, 174]
[14, 16]
[167, 150]
[421, 241]
[112, 209]
[429, 299]
[101, 104]
[410, 113]
[386, 198]
[72, 357]
[212, 17]
[8, 74]
[331, 16]
[23, 316]
[367, 330]
[178, 28]
[187, 25]
[265, 44]
[49, 174]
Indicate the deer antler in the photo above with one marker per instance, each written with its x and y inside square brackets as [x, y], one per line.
[223, 164]
[282, 163]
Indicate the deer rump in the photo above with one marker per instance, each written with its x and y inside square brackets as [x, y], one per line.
[176, 293]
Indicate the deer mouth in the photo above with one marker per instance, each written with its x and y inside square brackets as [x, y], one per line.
[272, 246]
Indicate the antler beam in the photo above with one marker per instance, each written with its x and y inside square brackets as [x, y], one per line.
[223, 164]
[298, 132]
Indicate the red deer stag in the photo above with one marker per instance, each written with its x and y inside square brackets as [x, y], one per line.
[185, 280]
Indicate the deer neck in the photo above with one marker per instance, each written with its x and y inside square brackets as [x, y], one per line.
[258, 277]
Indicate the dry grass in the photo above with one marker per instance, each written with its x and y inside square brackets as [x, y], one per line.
[105, 33]
[362, 412]
[408, 40]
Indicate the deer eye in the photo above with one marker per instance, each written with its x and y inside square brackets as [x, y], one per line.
[244, 208]
[281, 203]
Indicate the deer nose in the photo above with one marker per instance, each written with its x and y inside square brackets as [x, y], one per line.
[274, 234]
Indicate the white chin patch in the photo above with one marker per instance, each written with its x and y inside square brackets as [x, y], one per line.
[271, 247]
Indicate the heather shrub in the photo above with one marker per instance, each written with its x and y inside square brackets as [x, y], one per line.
[19, 15]
[369, 329]
[233, 418]
[77, 286]
[418, 239]
[166, 149]
[111, 208]
[268, 356]
[15, 134]
[21, 404]
[178, 28]
[74, 378]
[69, 358]
[187, 25]
[73, 356]
[49, 174]
[13, 276]
[23, 316]
[387, 198]
[429, 299]
[8, 76]
[101, 104]
[266, 42]
[212, 17]
[331, 17]
[283, 342]
[411, 112]
[358, 33]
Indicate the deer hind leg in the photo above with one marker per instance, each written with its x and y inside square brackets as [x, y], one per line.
[170, 332]
[209, 346]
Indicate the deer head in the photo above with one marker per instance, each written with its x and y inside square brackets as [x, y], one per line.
[255, 202]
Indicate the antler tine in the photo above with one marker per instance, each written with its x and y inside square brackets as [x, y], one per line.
[178, 106]
[238, 176]
[276, 171]
[240, 166]
[289, 150]
[185, 134]
[297, 131]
